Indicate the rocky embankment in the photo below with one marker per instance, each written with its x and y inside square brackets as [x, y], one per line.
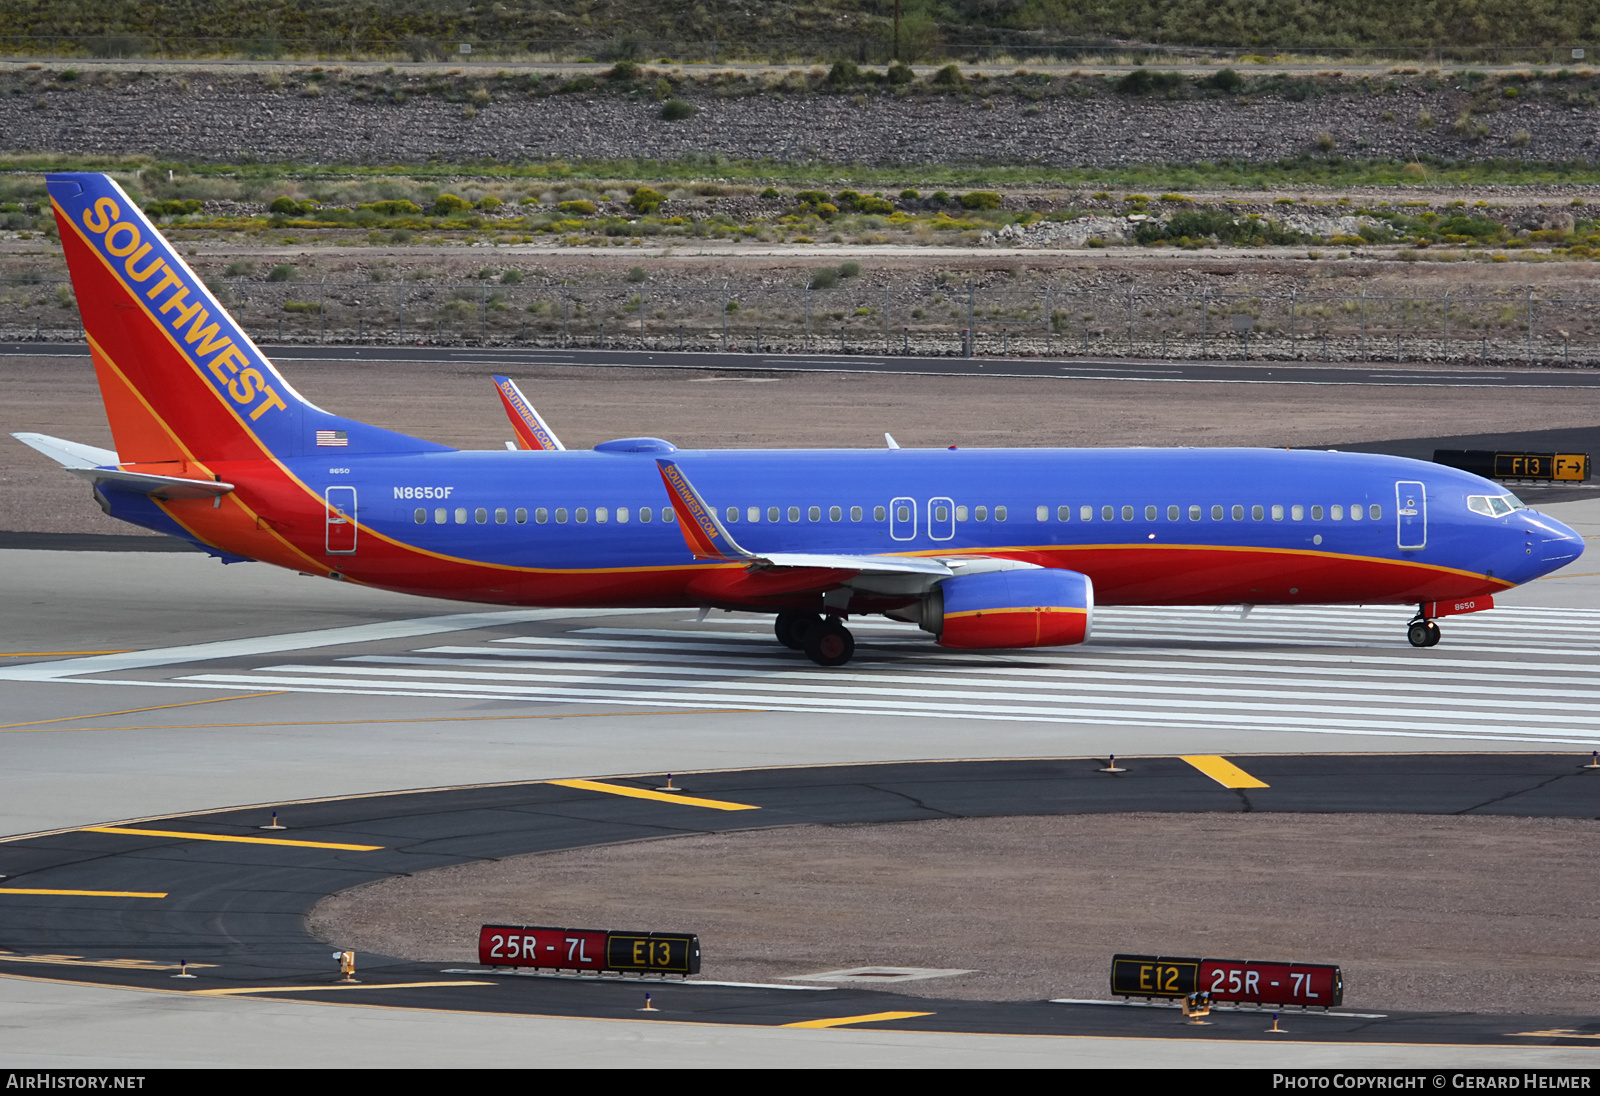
[221, 116]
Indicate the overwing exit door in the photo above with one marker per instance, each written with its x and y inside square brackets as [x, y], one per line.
[903, 519]
[1411, 514]
[341, 525]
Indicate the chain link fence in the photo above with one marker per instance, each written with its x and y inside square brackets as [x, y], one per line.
[860, 316]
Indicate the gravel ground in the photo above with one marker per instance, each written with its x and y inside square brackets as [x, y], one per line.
[219, 116]
[1461, 913]
[456, 405]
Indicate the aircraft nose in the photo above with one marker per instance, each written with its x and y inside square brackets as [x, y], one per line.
[1554, 544]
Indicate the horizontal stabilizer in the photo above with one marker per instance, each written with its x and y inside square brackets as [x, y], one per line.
[145, 483]
[68, 454]
[98, 466]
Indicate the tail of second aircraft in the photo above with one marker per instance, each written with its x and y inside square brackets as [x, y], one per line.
[181, 381]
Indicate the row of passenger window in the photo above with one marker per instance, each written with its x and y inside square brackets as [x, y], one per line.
[1296, 512]
[541, 515]
[941, 513]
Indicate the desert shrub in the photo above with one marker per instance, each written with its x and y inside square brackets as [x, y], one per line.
[824, 277]
[850, 270]
[1142, 81]
[980, 199]
[941, 197]
[1480, 228]
[238, 269]
[847, 199]
[511, 277]
[448, 205]
[489, 203]
[623, 71]
[881, 206]
[771, 192]
[899, 73]
[811, 197]
[844, 73]
[1325, 141]
[909, 195]
[302, 306]
[948, 77]
[1224, 80]
[676, 110]
[283, 272]
[578, 84]
[662, 88]
[578, 206]
[636, 274]
[645, 200]
[290, 207]
[176, 207]
[393, 207]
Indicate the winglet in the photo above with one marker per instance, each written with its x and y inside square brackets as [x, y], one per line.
[706, 537]
[532, 433]
[888, 437]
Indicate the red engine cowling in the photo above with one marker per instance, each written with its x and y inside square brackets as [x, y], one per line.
[1036, 607]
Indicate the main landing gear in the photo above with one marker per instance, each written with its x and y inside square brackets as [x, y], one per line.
[1422, 633]
[825, 640]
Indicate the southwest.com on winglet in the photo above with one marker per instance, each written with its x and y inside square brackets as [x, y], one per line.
[982, 548]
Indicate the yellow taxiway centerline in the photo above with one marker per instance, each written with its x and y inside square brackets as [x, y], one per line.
[135, 711]
[234, 992]
[663, 797]
[1224, 772]
[118, 964]
[84, 893]
[227, 837]
[869, 1018]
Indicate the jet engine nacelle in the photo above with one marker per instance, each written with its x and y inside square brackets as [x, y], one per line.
[1036, 607]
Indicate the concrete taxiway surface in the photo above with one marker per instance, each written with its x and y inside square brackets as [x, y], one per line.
[344, 690]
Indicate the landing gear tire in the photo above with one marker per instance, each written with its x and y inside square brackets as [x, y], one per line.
[1423, 633]
[791, 628]
[829, 643]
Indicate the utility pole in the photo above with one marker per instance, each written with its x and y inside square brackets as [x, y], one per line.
[897, 30]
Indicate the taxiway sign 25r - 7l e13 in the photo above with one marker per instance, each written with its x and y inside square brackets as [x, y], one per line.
[982, 548]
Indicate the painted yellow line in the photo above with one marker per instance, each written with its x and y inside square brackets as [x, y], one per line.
[664, 797]
[1557, 1033]
[869, 1018]
[227, 837]
[1224, 772]
[84, 893]
[135, 711]
[80, 961]
[231, 992]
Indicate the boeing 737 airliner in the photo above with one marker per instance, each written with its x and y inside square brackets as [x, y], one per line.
[982, 548]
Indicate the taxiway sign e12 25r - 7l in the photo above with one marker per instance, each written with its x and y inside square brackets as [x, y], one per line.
[982, 548]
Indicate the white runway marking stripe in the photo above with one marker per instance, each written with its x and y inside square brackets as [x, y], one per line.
[1519, 676]
[830, 689]
[1105, 680]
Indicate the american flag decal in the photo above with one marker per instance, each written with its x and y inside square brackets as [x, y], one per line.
[332, 437]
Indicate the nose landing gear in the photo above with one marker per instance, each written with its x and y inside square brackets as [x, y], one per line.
[1422, 633]
[826, 641]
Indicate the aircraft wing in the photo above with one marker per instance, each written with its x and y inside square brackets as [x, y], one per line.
[782, 572]
[531, 430]
[90, 463]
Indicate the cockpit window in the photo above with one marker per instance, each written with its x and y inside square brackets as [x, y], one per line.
[1494, 505]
